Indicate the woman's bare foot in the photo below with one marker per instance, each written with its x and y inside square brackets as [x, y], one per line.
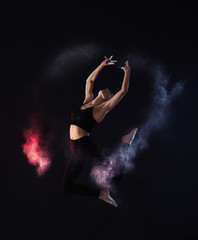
[105, 196]
[129, 137]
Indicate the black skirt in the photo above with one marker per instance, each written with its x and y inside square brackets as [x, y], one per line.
[84, 154]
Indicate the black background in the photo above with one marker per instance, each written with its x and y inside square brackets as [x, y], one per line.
[159, 199]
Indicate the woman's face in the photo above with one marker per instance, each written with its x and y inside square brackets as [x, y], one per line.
[106, 94]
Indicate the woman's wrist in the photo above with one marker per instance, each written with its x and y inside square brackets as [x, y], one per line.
[127, 71]
[103, 64]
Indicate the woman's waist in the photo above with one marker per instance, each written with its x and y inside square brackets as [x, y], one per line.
[83, 147]
[76, 132]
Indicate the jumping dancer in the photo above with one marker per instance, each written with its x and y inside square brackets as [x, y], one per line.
[83, 151]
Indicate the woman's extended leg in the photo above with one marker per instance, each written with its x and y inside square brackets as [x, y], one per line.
[123, 154]
[102, 172]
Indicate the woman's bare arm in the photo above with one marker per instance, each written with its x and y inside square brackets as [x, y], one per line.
[111, 103]
[92, 77]
[90, 82]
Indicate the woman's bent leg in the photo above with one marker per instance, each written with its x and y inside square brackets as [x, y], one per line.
[80, 156]
[69, 185]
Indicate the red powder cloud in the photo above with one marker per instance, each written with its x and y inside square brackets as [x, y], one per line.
[36, 154]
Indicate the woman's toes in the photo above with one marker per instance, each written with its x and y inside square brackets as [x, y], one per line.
[105, 196]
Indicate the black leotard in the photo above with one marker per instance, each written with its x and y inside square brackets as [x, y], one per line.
[83, 118]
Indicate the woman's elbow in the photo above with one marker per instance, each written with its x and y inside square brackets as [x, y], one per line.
[124, 91]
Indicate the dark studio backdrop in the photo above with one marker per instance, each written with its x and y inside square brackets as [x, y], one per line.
[48, 50]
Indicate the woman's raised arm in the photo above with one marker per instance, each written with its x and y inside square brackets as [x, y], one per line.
[111, 103]
[92, 77]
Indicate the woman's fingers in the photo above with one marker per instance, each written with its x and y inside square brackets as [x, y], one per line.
[126, 67]
[126, 64]
[109, 61]
[112, 62]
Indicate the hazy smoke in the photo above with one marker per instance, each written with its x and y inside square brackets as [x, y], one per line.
[123, 161]
[161, 99]
[113, 166]
[70, 59]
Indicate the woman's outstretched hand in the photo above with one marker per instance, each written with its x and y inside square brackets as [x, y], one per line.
[108, 61]
[126, 68]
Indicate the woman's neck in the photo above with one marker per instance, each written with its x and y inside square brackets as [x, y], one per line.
[98, 100]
